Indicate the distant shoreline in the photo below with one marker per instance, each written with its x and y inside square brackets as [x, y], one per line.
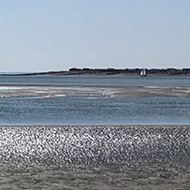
[108, 71]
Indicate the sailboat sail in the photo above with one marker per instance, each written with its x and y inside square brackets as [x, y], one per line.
[143, 72]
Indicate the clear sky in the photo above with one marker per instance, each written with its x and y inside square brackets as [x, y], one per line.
[51, 35]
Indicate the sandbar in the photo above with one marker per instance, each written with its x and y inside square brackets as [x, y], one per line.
[93, 91]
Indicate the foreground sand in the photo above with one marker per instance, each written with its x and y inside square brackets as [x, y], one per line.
[95, 157]
[134, 179]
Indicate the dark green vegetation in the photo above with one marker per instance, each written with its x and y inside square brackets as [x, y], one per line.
[112, 71]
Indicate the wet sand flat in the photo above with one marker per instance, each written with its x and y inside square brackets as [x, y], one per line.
[95, 157]
[135, 179]
[92, 91]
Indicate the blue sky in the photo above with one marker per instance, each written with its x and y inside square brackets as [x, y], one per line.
[47, 35]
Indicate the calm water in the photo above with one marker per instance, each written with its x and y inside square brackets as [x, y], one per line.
[96, 81]
[85, 110]
[77, 110]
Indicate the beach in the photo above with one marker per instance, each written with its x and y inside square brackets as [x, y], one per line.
[95, 157]
[95, 95]
[134, 179]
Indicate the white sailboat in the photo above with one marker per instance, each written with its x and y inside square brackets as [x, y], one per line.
[143, 73]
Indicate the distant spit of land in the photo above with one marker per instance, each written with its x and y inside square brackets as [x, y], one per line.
[110, 71]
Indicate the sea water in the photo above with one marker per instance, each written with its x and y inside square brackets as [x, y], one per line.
[93, 110]
[36, 154]
[96, 81]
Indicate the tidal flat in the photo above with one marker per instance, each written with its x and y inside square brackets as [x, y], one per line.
[41, 148]
[95, 157]
[93, 91]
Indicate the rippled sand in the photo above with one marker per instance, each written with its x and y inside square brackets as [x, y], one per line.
[137, 178]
